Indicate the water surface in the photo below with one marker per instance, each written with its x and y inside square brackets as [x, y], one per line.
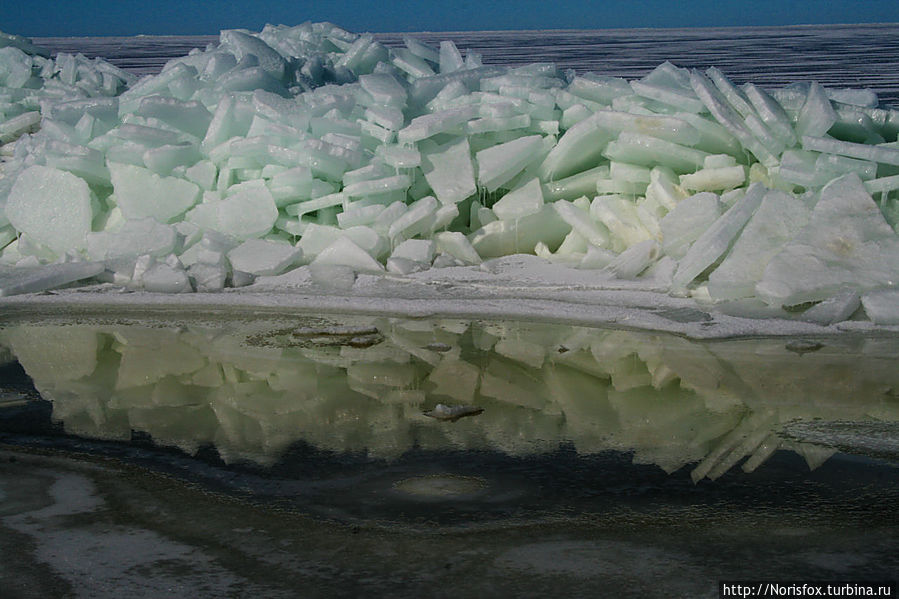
[200, 456]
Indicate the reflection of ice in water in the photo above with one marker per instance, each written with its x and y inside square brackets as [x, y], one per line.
[440, 486]
[365, 385]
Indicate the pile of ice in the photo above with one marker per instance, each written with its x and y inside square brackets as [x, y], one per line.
[31, 83]
[311, 145]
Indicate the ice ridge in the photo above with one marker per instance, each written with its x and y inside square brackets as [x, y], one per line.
[314, 147]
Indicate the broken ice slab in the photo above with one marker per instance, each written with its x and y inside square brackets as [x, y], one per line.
[575, 186]
[687, 221]
[714, 179]
[525, 200]
[669, 128]
[317, 237]
[18, 280]
[448, 170]
[242, 44]
[207, 277]
[429, 125]
[263, 257]
[191, 117]
[841, 165]
[883, 184]
[458, 246]
[398, 157]
[579, 148]
[817, 115]
[598, 88]
[343, 252]
[579, 220]
[772, 114]
[132, 239]
[778, 219]
[378, 186]
[411, 64]
[712, 244]
[834, 309]
[245, 215]
[498, 164]
[847, 243]
[634, 260]
[799, 167]
[883, 154]
[735, 97]
[882, 306]
[501, 238]
[52, 206]
[164, 159]
[416, 220]
[418, 250]
[621, 217]
[728, 117]
[166, 277]
[646, 150]
[14, 127]
[680, 98]
[141, 193]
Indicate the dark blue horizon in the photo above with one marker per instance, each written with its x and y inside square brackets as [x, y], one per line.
[196, 17]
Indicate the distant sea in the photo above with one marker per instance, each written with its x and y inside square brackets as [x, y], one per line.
[834, 55]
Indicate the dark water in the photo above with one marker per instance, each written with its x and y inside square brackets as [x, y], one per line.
[834, 55]
[285, 455]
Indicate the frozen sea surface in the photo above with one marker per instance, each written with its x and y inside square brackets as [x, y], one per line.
[834, 55]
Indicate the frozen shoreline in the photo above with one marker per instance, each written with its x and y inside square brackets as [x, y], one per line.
[462, 292]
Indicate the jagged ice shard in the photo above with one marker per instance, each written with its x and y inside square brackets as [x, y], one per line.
[323, 154]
